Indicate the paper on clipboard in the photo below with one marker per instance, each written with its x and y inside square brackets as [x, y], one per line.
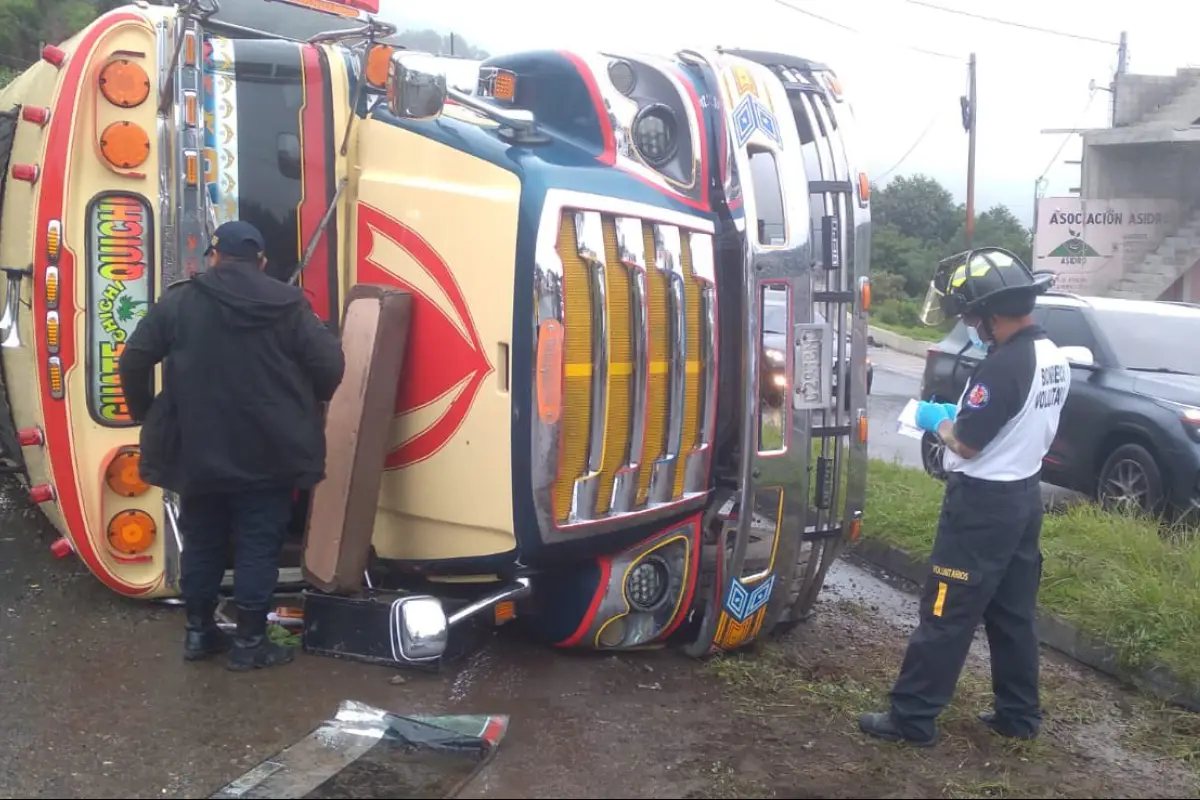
[906, 423]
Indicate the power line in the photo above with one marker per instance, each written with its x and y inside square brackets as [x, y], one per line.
[1011, 23]
[936, 118]
[1069, 136]
[845, 27]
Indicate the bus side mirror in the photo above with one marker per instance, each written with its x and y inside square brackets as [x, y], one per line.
[416, 86]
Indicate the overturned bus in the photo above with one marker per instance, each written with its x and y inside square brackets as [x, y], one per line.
[551, 291]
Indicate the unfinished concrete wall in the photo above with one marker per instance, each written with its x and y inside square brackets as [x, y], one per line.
[1159, 171]
[1139, 95]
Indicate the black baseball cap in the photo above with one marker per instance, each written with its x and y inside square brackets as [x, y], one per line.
[237, 239]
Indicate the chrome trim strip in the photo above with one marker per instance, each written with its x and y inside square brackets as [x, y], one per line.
[173, 543]
[669, 261]
[704, 272]
[631, 243]
[548, 304]
[589, 233]
[168, 250]
[760, 113]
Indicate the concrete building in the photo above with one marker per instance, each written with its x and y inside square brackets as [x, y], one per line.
[1144, 174]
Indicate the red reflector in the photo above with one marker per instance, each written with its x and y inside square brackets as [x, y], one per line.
[36, 114]
[61, 548]
[26, 172]
[42, 493]
[54, 55]
[30, 437]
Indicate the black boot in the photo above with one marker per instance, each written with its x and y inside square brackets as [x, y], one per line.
[203, 637]
[1002, 728]
[883, 726]
[251, 648]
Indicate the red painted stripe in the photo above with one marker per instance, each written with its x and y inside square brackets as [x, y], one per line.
[590, 617]
[609, 155]
[315, 148]
[698, 110]
[50, 207]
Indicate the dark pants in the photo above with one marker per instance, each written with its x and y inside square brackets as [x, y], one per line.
[986, 566]
[255, 523]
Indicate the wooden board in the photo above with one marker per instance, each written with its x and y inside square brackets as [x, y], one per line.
[341, 520]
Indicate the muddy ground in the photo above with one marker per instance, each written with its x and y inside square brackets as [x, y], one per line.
[97, 703]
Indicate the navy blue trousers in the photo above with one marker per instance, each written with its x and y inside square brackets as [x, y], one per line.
[254, 524]
[986, 567]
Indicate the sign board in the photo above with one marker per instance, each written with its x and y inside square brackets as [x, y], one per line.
[1091, 244]
[120, 267]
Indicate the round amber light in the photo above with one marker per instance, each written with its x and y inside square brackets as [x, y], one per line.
[125, 84]
[132, 532]
[123, 475]
[125, 145]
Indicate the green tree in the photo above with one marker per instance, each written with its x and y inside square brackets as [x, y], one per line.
[909, 259]
[918, 206]
[997, 227]
[26, 24]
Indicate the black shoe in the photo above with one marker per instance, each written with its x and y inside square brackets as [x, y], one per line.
[203, 638]
[252, 649]
[883, 726]
[999, 727]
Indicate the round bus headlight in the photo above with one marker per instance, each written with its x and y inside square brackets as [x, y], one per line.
[656, 134]
[647, 583]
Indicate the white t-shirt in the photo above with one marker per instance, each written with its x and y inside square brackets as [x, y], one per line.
[1010, 408]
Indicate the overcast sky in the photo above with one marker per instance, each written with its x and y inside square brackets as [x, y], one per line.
[1027, 80]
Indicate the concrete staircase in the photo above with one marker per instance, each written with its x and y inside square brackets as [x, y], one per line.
[1162, 266]
[1183, 110]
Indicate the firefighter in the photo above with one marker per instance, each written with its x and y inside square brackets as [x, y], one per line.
[986, 562]
[236, 430]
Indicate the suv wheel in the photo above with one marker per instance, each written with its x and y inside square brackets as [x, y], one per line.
[932, 450]
[1130, 481]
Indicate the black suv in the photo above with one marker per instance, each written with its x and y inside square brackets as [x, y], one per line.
[1130, 430]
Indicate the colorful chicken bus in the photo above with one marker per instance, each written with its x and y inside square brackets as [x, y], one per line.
[572, 261]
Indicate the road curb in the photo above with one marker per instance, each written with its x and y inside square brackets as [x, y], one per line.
[1054, 632]
[901, 344]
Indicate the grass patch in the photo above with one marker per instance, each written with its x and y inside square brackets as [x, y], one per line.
[921, 333]
[1117, 578]
[1169, 733]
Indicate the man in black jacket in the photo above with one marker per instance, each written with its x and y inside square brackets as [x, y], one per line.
[235, 431]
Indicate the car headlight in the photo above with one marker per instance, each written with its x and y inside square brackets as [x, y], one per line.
[774, 357]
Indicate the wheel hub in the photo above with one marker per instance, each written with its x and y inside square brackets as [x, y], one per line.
[1126, 487]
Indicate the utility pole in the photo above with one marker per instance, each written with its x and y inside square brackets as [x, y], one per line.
[970, 109]
[1122, 66]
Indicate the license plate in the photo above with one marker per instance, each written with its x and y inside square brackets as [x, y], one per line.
[811, 385]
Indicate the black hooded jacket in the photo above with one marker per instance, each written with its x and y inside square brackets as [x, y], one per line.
[246, 366]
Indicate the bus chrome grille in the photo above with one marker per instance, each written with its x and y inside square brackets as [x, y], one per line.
[637, 304]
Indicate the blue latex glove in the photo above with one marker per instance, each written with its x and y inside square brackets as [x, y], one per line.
[930, 415]
[951, 411]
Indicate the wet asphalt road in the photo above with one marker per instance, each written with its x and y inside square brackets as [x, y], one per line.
[97, 703]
